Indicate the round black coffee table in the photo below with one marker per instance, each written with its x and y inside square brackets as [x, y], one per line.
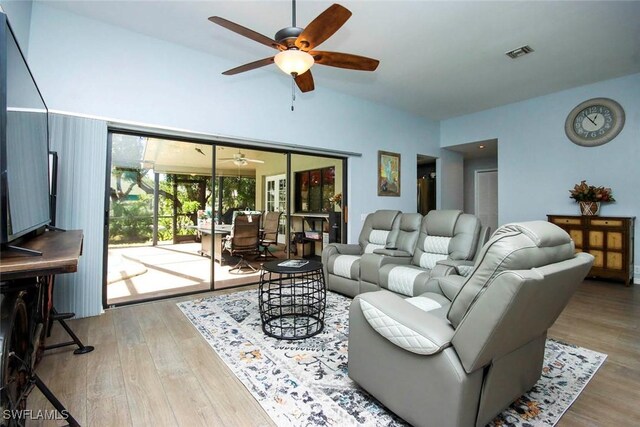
[292, 299]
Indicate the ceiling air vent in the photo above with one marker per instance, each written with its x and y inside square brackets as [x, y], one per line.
[518, 52]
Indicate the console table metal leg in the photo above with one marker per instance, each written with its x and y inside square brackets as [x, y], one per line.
[54, 400]
[60, 317]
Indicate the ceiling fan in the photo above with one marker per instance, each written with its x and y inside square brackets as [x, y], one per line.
[296, 46]
[240, 159]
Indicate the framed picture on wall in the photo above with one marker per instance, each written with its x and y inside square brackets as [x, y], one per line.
[388, 174]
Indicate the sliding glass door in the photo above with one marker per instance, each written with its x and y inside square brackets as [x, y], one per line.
[156, 189]
[174, 207]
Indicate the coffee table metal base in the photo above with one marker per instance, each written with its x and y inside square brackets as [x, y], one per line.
[292, 304]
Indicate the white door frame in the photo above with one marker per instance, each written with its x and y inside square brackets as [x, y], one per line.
[277, 203]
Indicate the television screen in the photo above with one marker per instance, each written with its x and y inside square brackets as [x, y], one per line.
[24, 147]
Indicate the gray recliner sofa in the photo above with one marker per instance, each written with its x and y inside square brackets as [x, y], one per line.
[447, 238]
[341, 262]
[436, 362]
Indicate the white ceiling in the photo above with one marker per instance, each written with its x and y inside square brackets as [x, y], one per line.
[437, 59]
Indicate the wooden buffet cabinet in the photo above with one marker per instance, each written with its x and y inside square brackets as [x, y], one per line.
[608, 239]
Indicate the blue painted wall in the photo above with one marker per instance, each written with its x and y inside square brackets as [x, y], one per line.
[84, 66]
[537, 162]
[88, 67]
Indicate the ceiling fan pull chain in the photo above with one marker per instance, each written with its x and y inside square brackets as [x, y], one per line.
[293, 90]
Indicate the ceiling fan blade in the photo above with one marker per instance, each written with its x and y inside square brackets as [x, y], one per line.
[249, 66]
[323, 27]
[243, 31]
[345, 60]
[254, 161]
[305, 82]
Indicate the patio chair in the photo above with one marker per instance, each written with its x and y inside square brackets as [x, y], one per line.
[244, 238]
[269, 234]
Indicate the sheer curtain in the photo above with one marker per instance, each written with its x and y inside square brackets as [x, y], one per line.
[81, 145]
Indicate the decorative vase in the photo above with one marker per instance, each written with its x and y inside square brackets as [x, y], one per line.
[589, 208]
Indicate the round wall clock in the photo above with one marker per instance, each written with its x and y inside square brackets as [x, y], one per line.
[594, 122]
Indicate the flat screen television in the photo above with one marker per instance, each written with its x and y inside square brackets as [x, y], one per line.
[24, 145]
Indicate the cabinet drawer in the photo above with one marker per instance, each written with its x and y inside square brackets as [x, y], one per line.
[598, 262]
[576, 236]
[614, 260]
[614, 240]
[607, 222]
[596, 239]
[571, 221]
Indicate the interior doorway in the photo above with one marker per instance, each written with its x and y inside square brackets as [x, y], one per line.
[480, 180]
[426, 184]
[486, 197]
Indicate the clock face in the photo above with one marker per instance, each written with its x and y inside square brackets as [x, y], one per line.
[594, 122]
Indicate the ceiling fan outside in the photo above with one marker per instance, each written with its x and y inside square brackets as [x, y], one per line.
[239, 159]
[296, 45]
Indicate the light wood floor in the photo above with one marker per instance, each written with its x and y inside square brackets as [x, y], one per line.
[152, 368]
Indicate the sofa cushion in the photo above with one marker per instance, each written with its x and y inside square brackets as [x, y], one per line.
[436, 231]
[405, 324]
[407, 280]
[408, 232]
[379, 230]
[429, 301]
[466, 236]
[345, 266]
[377, 240]
[434, 249]
[441, 222]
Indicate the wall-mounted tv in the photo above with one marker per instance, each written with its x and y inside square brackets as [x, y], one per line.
[24, 144]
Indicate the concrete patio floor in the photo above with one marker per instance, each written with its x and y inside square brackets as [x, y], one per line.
[144, 272]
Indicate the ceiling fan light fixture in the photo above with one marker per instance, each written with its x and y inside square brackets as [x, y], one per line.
[294, 61]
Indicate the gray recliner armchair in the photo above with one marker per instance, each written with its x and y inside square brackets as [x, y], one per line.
[341, 262]
[437, 362]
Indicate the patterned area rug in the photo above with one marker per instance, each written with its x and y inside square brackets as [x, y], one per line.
[305, 382]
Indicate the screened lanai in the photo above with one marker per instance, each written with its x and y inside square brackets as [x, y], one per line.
[171, 207]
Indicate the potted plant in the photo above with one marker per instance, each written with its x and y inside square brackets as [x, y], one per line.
[589, 197]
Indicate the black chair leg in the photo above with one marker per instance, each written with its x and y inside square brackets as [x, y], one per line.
[265, 253]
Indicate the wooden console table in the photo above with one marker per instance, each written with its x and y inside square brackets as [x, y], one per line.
[60, 254]
[23, 275]
[609, 239]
